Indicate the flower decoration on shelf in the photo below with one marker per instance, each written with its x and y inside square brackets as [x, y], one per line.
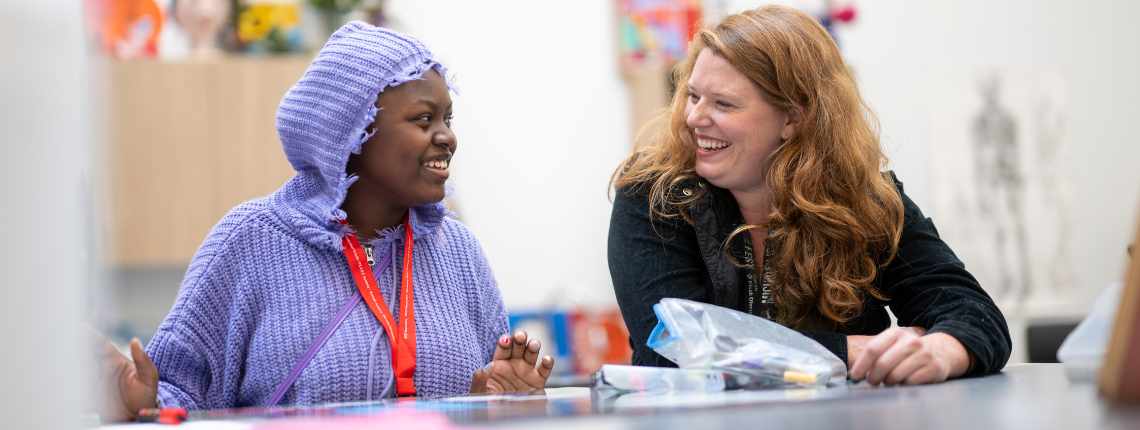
[334, 13]
[340, 6]
[270, 26]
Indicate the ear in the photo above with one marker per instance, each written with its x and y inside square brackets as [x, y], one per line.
[791, 123]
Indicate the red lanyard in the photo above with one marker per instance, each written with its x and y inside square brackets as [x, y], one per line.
[402, 337]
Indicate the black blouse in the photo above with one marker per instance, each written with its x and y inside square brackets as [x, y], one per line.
[925, 284]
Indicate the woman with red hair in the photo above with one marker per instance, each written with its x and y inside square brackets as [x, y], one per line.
[762, 190]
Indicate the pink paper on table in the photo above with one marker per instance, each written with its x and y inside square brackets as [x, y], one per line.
[392, 419]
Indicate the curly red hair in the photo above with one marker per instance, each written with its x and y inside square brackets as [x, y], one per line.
[836, 216]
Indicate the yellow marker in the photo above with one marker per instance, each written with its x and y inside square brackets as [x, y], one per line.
[798, 377]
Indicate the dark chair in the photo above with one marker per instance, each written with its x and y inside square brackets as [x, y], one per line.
[1045, 337]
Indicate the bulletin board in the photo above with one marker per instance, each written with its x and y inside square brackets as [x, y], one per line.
[653, 35]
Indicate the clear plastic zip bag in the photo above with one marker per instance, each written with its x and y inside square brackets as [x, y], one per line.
[750, 351]
[623, 378]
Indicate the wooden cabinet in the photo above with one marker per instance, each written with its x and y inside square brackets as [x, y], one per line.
[648, 94]
[186, 141]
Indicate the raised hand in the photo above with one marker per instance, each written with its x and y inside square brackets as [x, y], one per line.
[128, 385]
[515, 367]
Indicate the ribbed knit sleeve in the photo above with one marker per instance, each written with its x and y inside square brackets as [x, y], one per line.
[189, 347]
[491, 302]
[260, 292]
[482, 291]
[462, 312]
[184, 376]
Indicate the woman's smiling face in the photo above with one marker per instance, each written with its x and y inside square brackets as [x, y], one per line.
[407, 160]
[734, 128]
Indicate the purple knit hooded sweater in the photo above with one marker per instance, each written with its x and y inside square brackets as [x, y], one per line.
[271, 274]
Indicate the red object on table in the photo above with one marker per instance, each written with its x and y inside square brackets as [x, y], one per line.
[163, 415]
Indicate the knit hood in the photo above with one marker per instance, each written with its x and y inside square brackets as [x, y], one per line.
[323, 120]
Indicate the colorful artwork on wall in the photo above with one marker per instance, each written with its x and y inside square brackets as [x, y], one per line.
[656, 31]
[832, 14]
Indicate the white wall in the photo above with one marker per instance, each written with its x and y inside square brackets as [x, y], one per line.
[541, 117]
[903, 50]
[43, 218]
[910, 55]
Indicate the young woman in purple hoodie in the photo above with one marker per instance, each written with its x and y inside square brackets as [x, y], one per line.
[350, 282]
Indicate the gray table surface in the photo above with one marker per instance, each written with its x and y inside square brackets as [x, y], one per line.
[1033, 396]
[1028, 396]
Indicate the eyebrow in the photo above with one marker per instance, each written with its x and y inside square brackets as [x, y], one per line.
[430, 103]
[711, 93]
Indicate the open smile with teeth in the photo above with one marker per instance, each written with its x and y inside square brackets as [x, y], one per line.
[437, 164]
[712, 145]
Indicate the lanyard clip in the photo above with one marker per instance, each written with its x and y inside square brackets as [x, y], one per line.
[368, 254]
